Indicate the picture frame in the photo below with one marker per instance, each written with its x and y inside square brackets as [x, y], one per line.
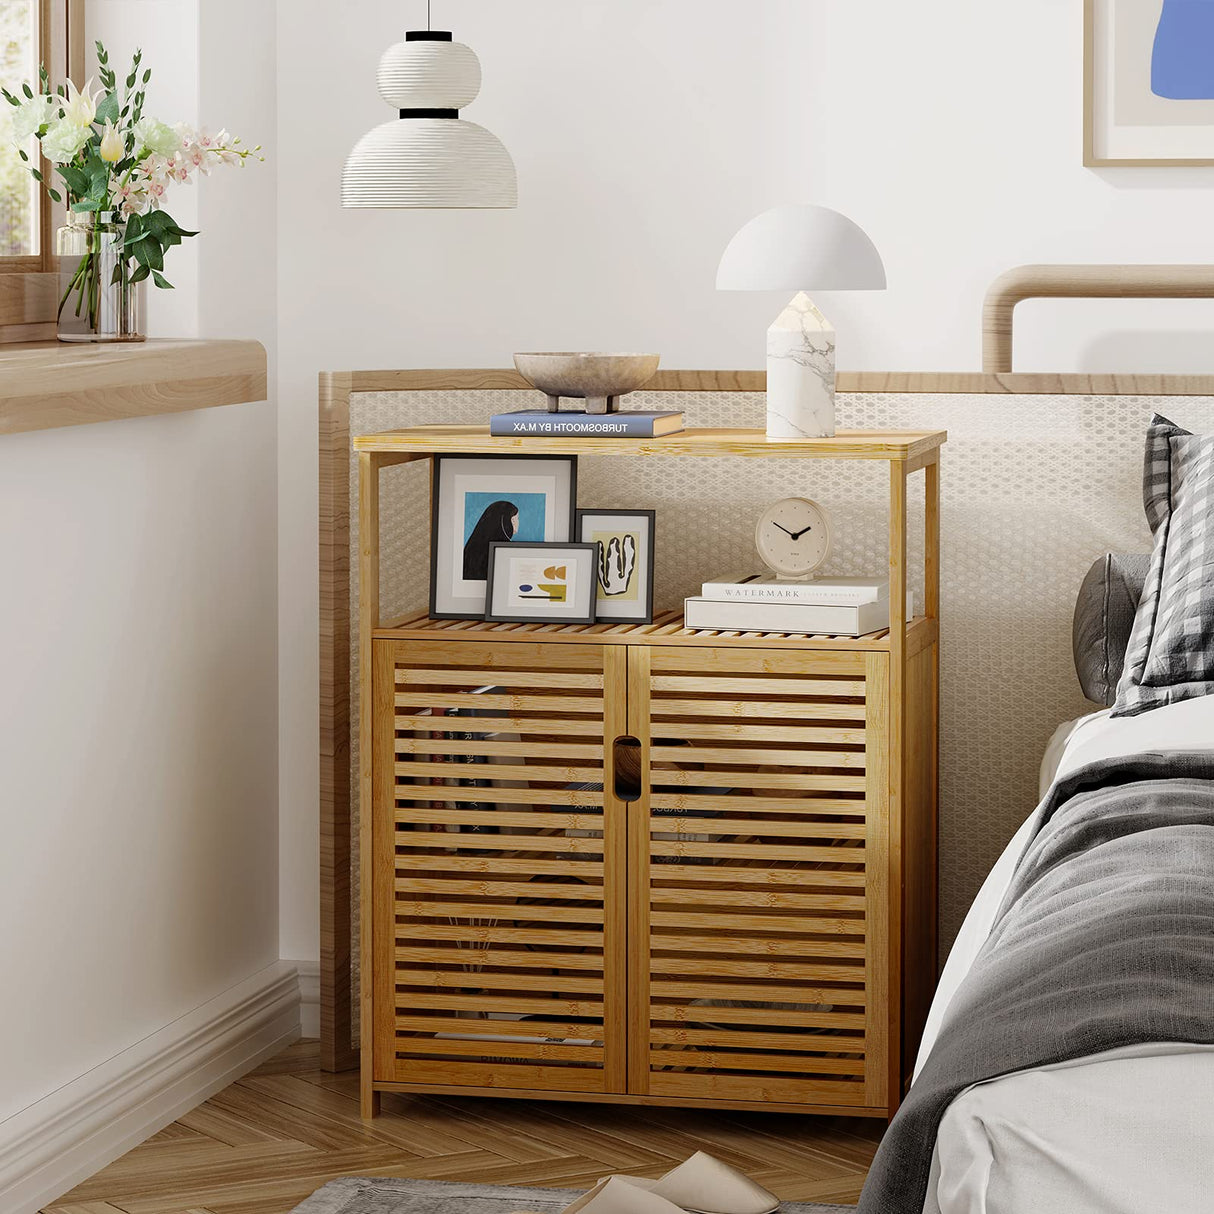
[538, 583]
[624, 593]
[1148, 101]
[470, 496]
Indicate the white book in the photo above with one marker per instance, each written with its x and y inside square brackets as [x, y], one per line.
[767, 588]
[831, 620]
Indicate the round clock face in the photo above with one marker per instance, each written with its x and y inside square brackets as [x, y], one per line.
[793, 536]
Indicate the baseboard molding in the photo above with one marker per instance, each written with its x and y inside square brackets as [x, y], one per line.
[309, 997]
[53, 1145]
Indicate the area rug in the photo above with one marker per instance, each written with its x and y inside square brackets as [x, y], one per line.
[373, 1195]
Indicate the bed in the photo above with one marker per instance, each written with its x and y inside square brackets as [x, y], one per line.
[1073, 1137]
[1067, 1062]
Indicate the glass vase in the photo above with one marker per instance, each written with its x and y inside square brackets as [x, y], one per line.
[97, 300]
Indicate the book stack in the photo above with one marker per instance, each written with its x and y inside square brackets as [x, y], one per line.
[539, 423]
[765, 603]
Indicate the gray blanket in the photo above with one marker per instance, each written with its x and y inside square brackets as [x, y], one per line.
[1105, 939]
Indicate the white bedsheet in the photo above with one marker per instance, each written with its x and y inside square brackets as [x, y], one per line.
[1128, 1132]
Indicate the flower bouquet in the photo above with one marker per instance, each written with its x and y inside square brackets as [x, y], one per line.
[116, 165]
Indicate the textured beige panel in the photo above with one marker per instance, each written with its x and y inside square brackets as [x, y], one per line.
[1034, 489]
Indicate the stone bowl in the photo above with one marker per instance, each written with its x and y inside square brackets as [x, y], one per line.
[600, 379]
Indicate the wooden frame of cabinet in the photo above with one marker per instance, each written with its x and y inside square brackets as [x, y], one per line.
[869, 701]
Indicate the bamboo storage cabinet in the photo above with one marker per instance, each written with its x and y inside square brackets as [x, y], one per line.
[643, 864]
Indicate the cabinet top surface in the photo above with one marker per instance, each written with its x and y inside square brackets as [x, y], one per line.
[895, 445]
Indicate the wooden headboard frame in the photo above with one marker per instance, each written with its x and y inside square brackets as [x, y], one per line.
[336, 388]
[1079, 282]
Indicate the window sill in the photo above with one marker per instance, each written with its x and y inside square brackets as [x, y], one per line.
[48, 384]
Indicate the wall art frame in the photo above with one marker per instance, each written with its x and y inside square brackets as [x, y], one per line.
[1148, 98]
[469, 511]
[532, 583]
[625, 587]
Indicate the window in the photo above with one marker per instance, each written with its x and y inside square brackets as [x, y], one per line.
[31, 32]
[20, 234]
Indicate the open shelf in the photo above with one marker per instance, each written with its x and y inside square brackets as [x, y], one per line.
[899, 446]
[667, 627]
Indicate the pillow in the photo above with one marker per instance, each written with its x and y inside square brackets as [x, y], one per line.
[1171, 651]
[1104, 615]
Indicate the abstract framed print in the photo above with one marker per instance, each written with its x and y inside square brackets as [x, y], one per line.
[480, 500]
[1148, 83]
[625, 575]
[542, 583]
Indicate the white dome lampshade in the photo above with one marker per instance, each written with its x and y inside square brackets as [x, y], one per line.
[428, 156]
[801, 248]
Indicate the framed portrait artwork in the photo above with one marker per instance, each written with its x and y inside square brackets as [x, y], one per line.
[480, 500]
[1148, 83]
[625, 573]
[542, 583]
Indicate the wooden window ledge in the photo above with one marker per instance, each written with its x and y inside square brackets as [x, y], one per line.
[47, 384]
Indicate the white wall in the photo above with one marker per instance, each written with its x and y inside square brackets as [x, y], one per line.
[138, 786]
[138, 637]
[645, 132]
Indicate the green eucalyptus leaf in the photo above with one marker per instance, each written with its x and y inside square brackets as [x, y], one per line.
[107, 111]
[76, 179]
[162, 282]
[29, 92]
[140, 273]
[54, 193]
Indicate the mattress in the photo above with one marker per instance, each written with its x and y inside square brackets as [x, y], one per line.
[1127, 1132]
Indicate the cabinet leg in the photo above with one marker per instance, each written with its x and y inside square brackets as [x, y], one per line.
[369, 1102]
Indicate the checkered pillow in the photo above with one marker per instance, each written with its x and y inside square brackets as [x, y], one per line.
[1171, 651]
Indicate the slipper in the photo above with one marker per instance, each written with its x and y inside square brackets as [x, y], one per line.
[704, 1185]
[614, 1195]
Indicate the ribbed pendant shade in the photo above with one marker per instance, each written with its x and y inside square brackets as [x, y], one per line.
[429, 156]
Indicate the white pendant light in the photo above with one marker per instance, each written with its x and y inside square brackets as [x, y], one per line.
[429, 156]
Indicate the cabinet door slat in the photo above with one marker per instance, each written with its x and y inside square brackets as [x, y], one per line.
[754, 837]
[505, 916]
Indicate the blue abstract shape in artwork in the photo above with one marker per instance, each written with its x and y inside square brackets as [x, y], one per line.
[1182, 63]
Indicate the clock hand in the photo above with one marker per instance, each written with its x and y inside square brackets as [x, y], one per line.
[801, 532]
[785, 530]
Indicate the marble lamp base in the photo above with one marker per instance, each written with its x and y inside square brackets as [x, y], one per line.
[801, 373]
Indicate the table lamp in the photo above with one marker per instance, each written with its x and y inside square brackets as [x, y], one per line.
[801, 248]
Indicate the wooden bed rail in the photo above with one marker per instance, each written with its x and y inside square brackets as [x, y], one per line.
[1079, 282]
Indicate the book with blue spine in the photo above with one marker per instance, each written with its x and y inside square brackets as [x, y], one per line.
[539, 423]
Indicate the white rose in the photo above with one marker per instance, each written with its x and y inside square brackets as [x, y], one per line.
[31, 116]
[157, 137]
[61, 143]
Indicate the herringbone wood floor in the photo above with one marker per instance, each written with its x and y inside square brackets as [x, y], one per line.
[265, 1143]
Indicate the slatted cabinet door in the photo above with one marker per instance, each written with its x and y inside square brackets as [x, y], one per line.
[757, 936]
[499, 866]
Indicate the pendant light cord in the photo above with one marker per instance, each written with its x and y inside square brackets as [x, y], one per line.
[428, 25]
